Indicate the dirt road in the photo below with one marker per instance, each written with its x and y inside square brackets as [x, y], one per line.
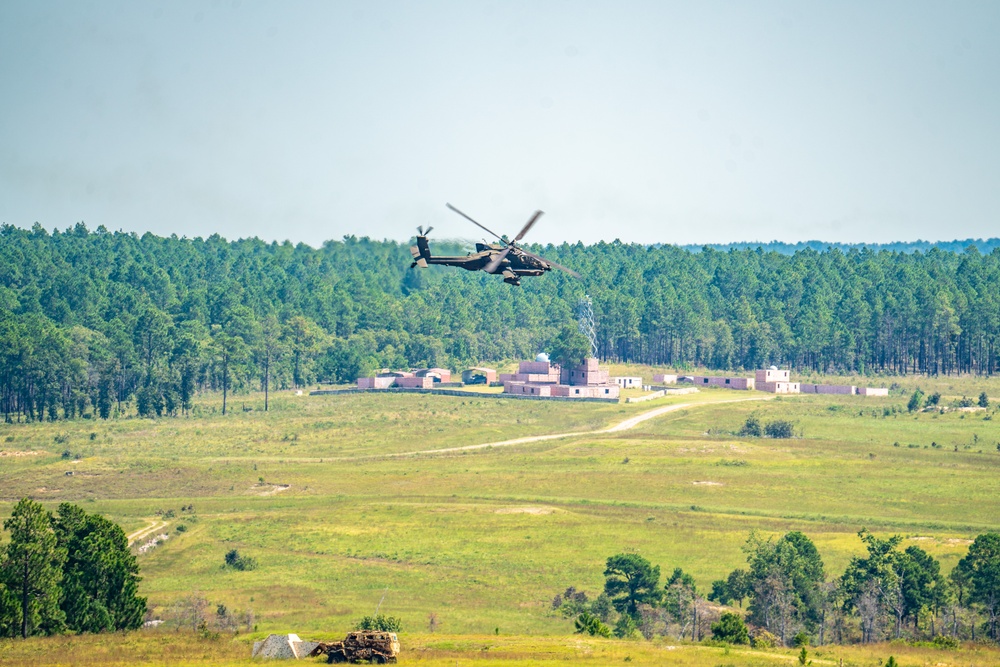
[145, 532]
[629, 423]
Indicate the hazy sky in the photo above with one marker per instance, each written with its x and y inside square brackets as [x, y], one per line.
[645, 121]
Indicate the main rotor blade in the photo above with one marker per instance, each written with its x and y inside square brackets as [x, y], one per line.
[492, 266]
[476, 223]
[528, 226]
[551, 263]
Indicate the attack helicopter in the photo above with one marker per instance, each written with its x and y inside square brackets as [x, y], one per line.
[506, 258]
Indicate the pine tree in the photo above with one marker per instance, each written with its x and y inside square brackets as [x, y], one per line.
[32, 568]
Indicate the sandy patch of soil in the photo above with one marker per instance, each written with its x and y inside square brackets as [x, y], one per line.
[274, 489]
[16, 454]
[957, 542]
[525, 510]
[708, 483]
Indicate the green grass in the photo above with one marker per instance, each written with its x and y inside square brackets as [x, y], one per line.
[485, 538]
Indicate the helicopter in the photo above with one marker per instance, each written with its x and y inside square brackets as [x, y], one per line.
[506, 258]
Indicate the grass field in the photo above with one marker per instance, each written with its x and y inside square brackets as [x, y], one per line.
[334, 498]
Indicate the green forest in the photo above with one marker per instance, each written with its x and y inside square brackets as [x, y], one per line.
[97, 323]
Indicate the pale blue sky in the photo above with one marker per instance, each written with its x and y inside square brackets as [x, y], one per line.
[646, 121]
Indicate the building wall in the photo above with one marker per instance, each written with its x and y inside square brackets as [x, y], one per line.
[539, 378]
[415, 383]
[665, 378]
[543, 367]
[527, 389]
[584, 376]
[728, 383]
[769, 375]
[627, 382]
[605, 391]
[873, 391]
[376, 382]
[778, 387]
[809, 388]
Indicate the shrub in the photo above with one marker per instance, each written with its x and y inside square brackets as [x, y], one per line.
[763, 639]
[780, 428]
[984, 400]
[380, 622]
[590, 624]
[731, 629]
[751, 427]
[240, 562]
[180, 528]
[801, 639]
[945, 642]
[625, 627]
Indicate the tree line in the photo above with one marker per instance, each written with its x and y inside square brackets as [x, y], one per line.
[887, 593]
[100, 323]
[70, 571]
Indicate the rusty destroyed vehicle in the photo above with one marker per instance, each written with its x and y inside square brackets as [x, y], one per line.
[361, 646]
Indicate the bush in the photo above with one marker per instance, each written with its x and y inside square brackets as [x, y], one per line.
[240, 562]
[763, 639]
[801, 639]
[180, 528]
[945, 642]
[590, 624]
[731, 629]
[380, 622]
[626, 627]
[780, 428]
[751, 427]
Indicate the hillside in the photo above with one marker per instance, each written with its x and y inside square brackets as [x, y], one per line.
[95, 321]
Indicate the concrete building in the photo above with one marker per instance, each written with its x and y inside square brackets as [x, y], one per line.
[473, 375]
[665, 378]
[586, 374]
[543, 378]
[627, 382]
[537, 372]
[873, 391]
[773, 374]
[728, 383]
[438, 374]
[377, 382]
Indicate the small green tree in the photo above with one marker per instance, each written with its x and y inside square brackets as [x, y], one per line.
[631, 580]
[984, 400]
[916, 401]
[32, 568]
[730, 628]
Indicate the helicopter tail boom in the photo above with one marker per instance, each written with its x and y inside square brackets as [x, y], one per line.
[421, 252]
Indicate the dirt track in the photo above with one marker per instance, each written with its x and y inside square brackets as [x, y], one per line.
[629, 423]
[144, 532]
